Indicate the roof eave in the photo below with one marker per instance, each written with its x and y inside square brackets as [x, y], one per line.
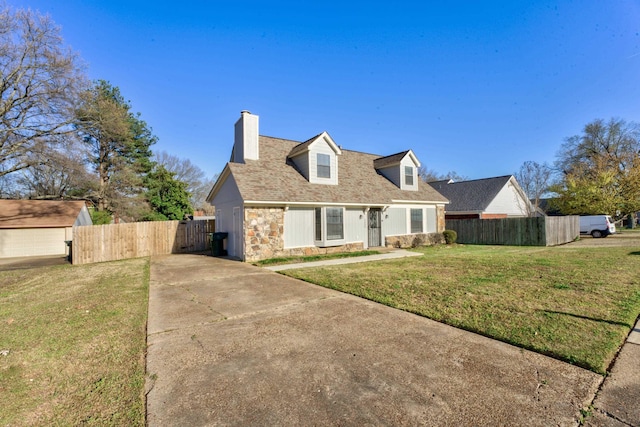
[221, 179]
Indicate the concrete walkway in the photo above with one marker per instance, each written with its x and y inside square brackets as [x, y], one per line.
[618, 402]
[396, 253]
[233, 344]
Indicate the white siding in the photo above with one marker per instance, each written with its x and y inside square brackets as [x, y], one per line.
[225, 200]
[246, 138]
[84, 218]
[432, 221]
[395, 174]
[392, 174]
[355, 226]
[32, 242]
[322, 147]
[302, 163]
[298, 227]
[394, 222]
[509, 201]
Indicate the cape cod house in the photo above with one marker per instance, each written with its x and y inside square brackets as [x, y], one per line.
[278, 197]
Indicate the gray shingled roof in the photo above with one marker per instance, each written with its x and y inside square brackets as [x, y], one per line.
[468, 196]
[274, 178]
[393, 159]
[303, 146]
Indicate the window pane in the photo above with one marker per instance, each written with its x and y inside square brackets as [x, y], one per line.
[416, 220]
[318, 223]
[324, 166]
[408, 175]
[335, 225]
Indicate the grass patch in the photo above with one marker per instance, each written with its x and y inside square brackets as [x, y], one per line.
[310, 258]
[577, 305]
[76, 340]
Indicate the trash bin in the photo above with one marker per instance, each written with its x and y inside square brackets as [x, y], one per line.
[70, 246]
[217, 244]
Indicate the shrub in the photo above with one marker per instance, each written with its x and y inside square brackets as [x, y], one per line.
[450, 236]
[101, 217]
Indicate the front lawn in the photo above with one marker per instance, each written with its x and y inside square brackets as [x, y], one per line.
[72, 344]
[577, 305]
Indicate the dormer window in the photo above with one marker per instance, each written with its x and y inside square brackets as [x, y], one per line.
[400, 168]
[317, 159]
[324, 166]
[408, 175]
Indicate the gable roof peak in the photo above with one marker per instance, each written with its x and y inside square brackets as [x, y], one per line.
[394, 159]
[304, 147]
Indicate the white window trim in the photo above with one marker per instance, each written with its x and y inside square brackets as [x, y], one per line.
[405, 175]
[324, 242]
[318, 165]
[409, 220]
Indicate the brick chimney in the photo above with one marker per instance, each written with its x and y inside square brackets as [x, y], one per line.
[245, 146]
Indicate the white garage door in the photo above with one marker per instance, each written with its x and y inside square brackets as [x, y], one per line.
[32, 242]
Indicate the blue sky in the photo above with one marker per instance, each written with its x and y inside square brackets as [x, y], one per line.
[475, 87]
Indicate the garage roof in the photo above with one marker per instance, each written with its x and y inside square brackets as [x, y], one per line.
[39, 213]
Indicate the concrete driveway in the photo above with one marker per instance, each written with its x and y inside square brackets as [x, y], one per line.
[233, 344]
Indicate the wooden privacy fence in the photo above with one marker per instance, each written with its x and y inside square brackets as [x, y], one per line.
[535, 231]
[111, 242]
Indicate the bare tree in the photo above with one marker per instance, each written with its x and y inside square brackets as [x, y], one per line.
[39, 83]
[430, 175]
[198, 185]
[56, 173]
[534, 179]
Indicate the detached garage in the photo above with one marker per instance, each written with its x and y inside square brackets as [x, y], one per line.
[39, 227]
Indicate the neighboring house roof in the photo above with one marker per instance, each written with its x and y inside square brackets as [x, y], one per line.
[39, 213]
[274, 178]
[469, 196]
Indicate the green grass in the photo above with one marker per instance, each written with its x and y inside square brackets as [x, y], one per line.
[577, 305]
[76, 337]
[309, 258]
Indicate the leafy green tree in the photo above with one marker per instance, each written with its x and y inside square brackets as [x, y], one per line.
[198, 185]
[167, 196]
[600, 170]
[119, 143]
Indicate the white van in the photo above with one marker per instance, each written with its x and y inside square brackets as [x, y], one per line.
[597, 225]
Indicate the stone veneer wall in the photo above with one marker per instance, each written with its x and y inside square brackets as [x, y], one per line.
[264, 228]
[440, 219]
[314, 250]
[413, 240]
[263, 232]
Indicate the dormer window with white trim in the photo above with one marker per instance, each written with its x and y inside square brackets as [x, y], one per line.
[400, 168]
[317, 159]
[408, 175]
[324, 165]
